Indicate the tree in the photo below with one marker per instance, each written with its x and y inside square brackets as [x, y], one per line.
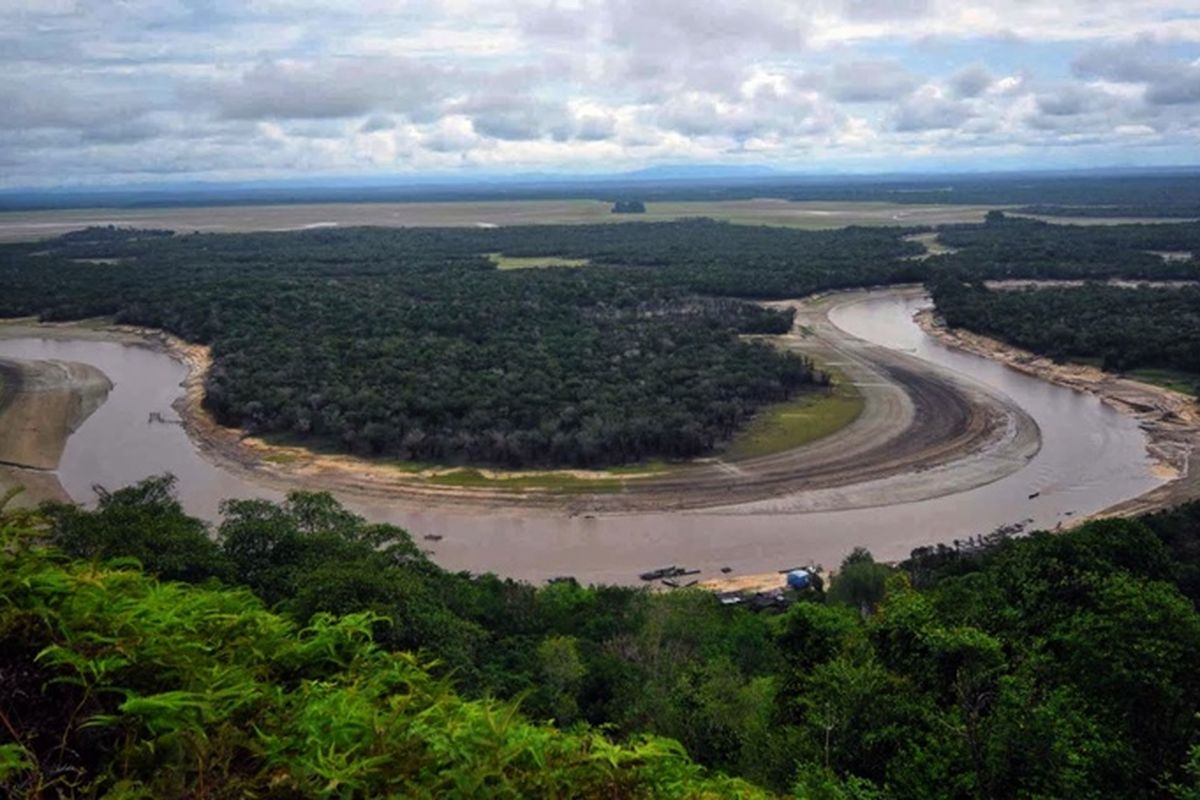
[145, 522]
[561, 671]
[860, 582]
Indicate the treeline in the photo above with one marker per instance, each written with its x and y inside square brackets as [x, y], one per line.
[1014, 247]
[1124, 328]
[1151, 210]
[1093, 195]
[713, 258]
[1045, 666]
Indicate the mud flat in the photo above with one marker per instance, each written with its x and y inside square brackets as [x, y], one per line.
[41, 404]
[35, 486]
[46, 401]
[1170, 419]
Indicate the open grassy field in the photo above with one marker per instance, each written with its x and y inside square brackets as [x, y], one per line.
[1173, 379]
[933, 246]
[816, 215]
[538, 262]
[32, 225]
[805, 419]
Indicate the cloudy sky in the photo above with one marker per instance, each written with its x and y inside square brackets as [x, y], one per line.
[97, 91]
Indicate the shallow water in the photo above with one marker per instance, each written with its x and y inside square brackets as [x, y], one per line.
[1091, 458]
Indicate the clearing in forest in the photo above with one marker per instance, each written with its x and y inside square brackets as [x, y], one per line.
[534, 262]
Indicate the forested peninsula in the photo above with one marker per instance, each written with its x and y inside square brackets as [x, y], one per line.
[412, 344]
[1122, 328]
[1108, 315]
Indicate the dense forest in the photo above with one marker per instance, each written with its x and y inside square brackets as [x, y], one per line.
[1013, 247]
[1119, 327]
[304, 652]
[1124, 327]
[412, 344]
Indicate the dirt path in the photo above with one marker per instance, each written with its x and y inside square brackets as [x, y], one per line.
[1171, 420]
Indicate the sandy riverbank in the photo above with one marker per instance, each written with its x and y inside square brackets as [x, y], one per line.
[1171, 420]
[41, 404]
[36, 486]
[45, 402]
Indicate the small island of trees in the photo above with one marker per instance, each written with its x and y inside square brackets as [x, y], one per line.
[629, 207]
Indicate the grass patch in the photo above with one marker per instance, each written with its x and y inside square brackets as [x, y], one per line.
[1174, 379]
[537, 262]
[281, 458]
[411, 466]
[312, 444]
[797, 422]
[642, 468]
[550, 481]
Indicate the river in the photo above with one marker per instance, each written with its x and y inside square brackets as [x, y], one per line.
[1091, 457]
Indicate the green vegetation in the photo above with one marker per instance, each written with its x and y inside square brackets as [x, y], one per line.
[1165, 211]
[1011, 247]
[410, 345]
[1152, 333]
[1044, 666]
[538, 262]
[547, 481]
[641, 468]
[1173, 379]
[787, 425]
[282, 458]
[118, 685]
[1125, 328]
[629, 207]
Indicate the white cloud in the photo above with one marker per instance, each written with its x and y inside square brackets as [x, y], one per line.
[971, 81]
[1139, 61]
[108, 91]
[927, 110]
[870, 81]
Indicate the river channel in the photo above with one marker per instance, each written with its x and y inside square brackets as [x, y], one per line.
[1091, 457]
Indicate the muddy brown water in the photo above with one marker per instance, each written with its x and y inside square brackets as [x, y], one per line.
[1091, 458]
